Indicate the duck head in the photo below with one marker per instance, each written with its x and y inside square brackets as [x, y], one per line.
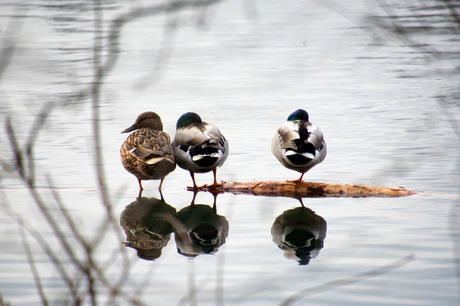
[299, 114]
[146, 120]
[187, 119]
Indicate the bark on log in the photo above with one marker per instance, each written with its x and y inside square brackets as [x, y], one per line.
[308, 189]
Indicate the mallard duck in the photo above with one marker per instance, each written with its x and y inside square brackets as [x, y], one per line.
[147, 153]
[199, 146]
[299, 144]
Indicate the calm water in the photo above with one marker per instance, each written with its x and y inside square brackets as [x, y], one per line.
[388, 112]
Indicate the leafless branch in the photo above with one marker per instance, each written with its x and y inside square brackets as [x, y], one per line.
[85, 278]
[348, 281]
[33, 268]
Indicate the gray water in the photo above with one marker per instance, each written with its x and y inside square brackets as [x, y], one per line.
[386, 102]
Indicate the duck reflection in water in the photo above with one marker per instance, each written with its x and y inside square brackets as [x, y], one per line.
[300, 233]
[147, 224]
[203, 230]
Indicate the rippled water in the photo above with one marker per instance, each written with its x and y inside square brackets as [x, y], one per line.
[387, 104]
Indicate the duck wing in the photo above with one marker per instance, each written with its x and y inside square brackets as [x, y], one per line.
[151, 145]
[201, 146]
[301, 141]
[199, 135]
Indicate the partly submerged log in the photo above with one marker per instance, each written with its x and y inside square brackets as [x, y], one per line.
[308, 189]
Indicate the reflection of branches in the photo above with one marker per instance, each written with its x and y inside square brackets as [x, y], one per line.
[7, 46]
[74, 258]
[87, 267]
[419, 20]
[446, 13]
[101, 70]
[27, 176]
[343, 282]
[451, 6]
[57, 263]
[119, 22]
[164, 53]
[33, 267]
[114, 35]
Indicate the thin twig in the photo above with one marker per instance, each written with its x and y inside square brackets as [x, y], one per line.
[33, 268]
[8, 46]
[70, 222]
[343, 282]
[18, 156]
[451, 7]
[45, 246]
[39, 121]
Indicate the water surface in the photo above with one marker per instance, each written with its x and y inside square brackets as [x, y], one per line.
[387, 104]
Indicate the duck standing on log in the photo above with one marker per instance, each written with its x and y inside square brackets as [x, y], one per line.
[147, 153]
[299, 144]
[199, 147]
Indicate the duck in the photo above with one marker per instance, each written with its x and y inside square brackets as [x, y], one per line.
[299, 144]
[199, 147]
[147, 152]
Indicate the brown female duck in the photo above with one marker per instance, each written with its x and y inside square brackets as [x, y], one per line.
[147, 153]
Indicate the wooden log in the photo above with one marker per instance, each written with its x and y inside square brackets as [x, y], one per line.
[307, 189]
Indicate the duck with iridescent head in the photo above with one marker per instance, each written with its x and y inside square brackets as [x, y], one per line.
[199, 147]
[299, 144]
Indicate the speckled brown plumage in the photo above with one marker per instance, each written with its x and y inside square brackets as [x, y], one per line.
[147, 152]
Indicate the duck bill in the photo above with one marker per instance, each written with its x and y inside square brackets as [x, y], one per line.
[130, 129]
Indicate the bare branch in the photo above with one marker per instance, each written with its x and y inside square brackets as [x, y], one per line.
[33, 268]
[343, 282]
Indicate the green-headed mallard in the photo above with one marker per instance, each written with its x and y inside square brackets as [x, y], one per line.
[199, 146]
[147, 153]
[299, 145]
